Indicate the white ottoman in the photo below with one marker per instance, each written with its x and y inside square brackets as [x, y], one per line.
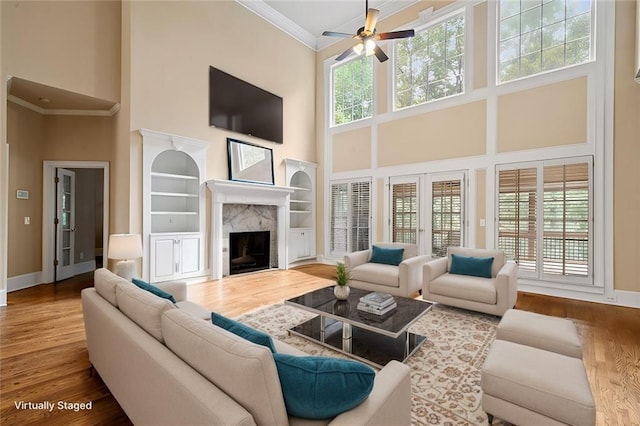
[540, 331]
[530, 386]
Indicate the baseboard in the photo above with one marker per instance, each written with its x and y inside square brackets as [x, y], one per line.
[629, 299]
[24, 281]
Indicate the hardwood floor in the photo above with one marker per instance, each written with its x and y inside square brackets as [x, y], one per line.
[43, 354]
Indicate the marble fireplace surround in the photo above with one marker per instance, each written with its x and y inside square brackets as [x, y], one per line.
[226, 192]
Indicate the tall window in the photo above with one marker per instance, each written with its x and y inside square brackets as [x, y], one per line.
[548, 205]
[430, 65]
[542, 35]
[404, 212]
[446, 216]
[352, 90]
[350, 216]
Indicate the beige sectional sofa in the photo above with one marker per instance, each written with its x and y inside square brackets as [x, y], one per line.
[165, 365]
[489, 295]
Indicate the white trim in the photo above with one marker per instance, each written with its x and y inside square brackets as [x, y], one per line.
[3, 297]
[48, 209]
[20, 282]
[81, 112]
[617, 298]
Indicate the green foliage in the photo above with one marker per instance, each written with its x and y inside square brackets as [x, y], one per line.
[353, 90]
[342, 276]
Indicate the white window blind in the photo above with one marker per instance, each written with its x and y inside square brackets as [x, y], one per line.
[545, 220]
[350, 216]
[446, 216]
[404, 212]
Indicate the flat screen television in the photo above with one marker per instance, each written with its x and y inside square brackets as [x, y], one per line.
[242, 107]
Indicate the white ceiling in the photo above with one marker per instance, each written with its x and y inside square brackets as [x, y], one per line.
[307, 19]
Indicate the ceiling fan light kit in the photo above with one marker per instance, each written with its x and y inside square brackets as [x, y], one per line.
[367, 37]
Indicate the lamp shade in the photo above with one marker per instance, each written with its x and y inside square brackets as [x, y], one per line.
[125, 246]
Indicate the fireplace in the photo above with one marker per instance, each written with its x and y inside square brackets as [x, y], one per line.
[249, 251]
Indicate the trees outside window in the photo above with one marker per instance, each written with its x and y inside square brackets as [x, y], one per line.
[352, 98]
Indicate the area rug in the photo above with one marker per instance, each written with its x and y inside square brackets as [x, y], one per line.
[445, 370]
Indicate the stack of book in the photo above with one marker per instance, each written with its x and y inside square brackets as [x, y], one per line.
[377, 303]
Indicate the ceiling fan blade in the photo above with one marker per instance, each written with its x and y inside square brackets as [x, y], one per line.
[336, 34]
[372, 19]
[380, 54]
[344, 54]
[396, 34]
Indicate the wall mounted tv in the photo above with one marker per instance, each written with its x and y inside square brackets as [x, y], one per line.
[244, 108]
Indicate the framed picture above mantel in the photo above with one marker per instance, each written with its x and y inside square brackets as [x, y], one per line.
[249, 163]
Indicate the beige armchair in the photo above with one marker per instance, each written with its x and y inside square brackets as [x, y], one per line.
[401, 280]
[493, 295]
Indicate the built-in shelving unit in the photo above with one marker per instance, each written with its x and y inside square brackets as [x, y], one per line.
[301, 177]
[174, 206]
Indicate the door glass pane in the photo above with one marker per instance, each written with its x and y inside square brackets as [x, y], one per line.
[66, 183]
[66, 257]
[446, 216]
[404, 220]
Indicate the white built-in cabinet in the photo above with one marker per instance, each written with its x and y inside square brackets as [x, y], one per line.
[301, 177]
[173, 206]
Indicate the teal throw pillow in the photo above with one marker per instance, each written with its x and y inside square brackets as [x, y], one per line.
[386, 255]
[153, 289]
[244, 331]
[474, 266]
[317, 387]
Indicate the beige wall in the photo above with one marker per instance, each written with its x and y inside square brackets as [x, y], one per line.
[70, 45]
[25, 133]
[626, 154]
[352, 150]
[34, 138]
[434, 135]
[551, 115]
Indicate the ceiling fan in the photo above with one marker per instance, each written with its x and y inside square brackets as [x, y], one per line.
[367, 37]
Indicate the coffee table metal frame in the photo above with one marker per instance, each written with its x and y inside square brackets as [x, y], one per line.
[370, 338]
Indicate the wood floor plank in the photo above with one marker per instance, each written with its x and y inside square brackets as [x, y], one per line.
[43, 352]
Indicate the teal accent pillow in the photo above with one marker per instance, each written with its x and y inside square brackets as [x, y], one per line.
[317, 387]
[474, 266]
[388, 256]
[244, 331]
[153, 289]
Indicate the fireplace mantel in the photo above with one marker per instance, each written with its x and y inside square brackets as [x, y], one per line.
[231, 192]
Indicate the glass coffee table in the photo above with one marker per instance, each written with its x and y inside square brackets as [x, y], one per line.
[374, 339]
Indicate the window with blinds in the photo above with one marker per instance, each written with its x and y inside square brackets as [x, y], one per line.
[517, 235]
[544, 219]
[350, 216]
[404, 212]
[446, 216]
[566, 220]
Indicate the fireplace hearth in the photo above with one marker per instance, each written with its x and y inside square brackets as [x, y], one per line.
[249, 251]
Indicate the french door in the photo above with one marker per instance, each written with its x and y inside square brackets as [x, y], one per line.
[428, 210]
[65, 223]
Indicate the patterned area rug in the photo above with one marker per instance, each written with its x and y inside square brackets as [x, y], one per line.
[445, 370]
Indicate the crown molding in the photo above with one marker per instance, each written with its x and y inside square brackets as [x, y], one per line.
[83, 112]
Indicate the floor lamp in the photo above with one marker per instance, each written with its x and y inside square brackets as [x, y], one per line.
[125, 248]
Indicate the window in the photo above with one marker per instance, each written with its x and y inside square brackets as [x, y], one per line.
[446, 216]
[542, 35]
[350, 216]
[547, 205]
[352, 90]
[404, 212]
[430, 65]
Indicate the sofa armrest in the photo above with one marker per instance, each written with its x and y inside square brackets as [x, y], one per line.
[431, 271]
[507, 287]
[389, 403]
[178, 289]
[351, 260]
[411, 273]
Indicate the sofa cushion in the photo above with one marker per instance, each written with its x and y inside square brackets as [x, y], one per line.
[498, 256]
[105, 283]
[242, 330]
[322, 387]
[243, 370]
[376, 273]
[473, 266]
[386, 255]
[153, 289]
[464, 287]
[143, 308]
